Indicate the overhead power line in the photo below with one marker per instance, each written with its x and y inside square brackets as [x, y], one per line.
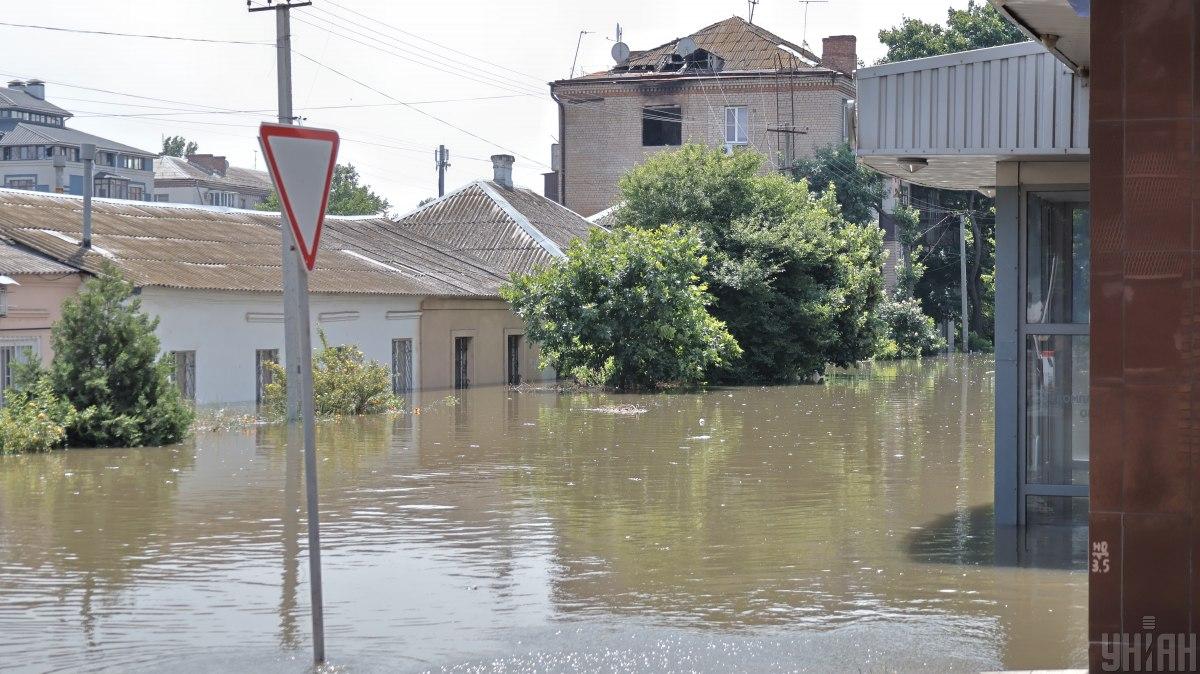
[148, 36]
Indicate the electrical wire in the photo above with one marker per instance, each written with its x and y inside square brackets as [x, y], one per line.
[173, 38]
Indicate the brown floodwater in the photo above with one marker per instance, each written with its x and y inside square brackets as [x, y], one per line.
[841, 527]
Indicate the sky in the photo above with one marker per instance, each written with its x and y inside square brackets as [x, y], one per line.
[473, 73]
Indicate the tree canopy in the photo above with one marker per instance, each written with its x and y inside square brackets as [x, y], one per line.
[976, 27]
[795, 282]
[347, 196]
[625, 309]
[857, 188]
[178, 146]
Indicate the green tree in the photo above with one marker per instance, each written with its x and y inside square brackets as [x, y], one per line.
[796, 284]
[976, 27]
[107, 366]
[178, 146]
[346, 195]
[344, 383]
[625, 309]
[859, 190]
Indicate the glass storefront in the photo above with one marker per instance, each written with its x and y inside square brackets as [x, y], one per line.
[1055, 377]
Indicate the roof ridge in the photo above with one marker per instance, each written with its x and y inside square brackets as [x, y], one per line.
[538, 236]
[436, 201]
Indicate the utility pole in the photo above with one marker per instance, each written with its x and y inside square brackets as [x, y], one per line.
[87, 155]
[297, 341]
[962, 275]
[441, 159]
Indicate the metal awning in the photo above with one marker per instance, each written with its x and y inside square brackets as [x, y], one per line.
[1062, 26]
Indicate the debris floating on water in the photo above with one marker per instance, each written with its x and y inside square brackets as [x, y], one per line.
[618, 409]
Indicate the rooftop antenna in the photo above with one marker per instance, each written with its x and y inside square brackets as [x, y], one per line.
[578, 43]
[804, 29]
[753, 4]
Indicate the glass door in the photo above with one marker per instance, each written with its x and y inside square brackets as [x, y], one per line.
[1056, 266]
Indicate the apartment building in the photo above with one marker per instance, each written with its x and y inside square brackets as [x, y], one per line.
[209, 180]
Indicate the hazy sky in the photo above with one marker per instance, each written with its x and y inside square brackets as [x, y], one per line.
[500, 51]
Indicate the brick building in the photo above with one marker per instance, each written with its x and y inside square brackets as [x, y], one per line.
[732, 84]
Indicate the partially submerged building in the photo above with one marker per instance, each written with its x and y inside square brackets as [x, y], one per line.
[731, 85]
[212, 277]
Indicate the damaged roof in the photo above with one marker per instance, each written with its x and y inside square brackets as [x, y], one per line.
[512, 229]
[741, 47]
[211, 248]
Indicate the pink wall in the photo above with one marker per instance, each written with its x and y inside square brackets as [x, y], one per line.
[34, 306]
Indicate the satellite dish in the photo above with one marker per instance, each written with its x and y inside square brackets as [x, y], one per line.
[620, 52]
[685, 47]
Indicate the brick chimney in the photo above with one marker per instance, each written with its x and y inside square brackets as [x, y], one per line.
[502, 168]
[210, 163]
[840, 53]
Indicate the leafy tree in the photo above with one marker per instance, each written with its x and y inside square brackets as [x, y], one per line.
[796, 284]
[909, 331]
[344, 383]
[346, 195]
[34, 419]
[107, 366]
[625, 309]
[859, 189]
[178, 146]
[976, 27]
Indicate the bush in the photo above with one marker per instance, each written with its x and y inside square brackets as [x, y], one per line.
[34, 419]
[796, 284]
[626, 309]
[344, 383]
[908, 331]
[107, 365]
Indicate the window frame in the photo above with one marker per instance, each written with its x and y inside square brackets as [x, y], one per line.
[740, 122]
[648, 124]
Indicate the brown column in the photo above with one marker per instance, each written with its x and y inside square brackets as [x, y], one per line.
[1144, 526]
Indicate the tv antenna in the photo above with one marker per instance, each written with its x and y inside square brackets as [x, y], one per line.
[804, 26]
[753, 4]
[578, 43]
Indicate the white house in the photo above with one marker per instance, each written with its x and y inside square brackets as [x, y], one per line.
[209, 180]
[38, 151]
[212, 276]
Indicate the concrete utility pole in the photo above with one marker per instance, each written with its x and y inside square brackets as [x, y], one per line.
[297, 340]
[962, 274]
[87, 155]
[441, 159]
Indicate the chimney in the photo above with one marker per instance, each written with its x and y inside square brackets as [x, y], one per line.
[840, 53]
[36, 88]
[502, 167]
[16, 84]
[210, 163]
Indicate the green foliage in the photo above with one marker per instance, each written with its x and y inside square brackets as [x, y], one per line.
[178, 146]
[908, 331]
[795, 283]
[859, 189]
[344, 383]
[346, 195]
[625, 309]
[976, 27]
[35, 419]
[107, 365]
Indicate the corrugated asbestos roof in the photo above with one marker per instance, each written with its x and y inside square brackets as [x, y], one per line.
[36, 134]
[20, 100]
[606, 218]
[479, 220]
[178, 168]
[209, 248]
[15, 259]
[743, 46]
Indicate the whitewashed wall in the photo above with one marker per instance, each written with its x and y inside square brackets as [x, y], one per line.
[226, 328]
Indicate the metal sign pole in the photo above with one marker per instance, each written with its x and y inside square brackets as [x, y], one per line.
[298, 343]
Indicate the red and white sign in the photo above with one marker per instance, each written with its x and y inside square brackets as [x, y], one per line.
[301, 161]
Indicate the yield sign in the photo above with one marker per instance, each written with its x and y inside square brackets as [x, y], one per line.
[301, 161]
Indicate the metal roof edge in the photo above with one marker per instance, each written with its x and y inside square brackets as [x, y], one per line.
[955, 58]
[436, 201]
[522, 222]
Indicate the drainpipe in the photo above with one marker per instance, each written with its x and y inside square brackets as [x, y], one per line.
[87, 154]
[562, 148]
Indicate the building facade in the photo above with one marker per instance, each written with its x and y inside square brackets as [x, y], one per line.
[730, 85]
[38, 151]
[208, 180]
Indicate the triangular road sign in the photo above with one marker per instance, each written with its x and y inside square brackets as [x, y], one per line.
[301, 161]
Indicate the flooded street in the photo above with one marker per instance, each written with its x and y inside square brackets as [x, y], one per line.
[825, 528]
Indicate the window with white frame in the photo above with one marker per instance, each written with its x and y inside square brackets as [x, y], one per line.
[737, 123]
[11, 355]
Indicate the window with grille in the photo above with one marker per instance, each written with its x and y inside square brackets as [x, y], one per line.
[462, 362]
[263, 375]
[514, 360]
[402, 366]
[184, 373]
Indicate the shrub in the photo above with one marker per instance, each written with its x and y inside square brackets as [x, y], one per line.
[107, 365]
[625, 309]
[796, 284]
[344, 383]
[908, 331]
[34, 419]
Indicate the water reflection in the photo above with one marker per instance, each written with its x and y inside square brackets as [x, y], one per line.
[822, 527]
